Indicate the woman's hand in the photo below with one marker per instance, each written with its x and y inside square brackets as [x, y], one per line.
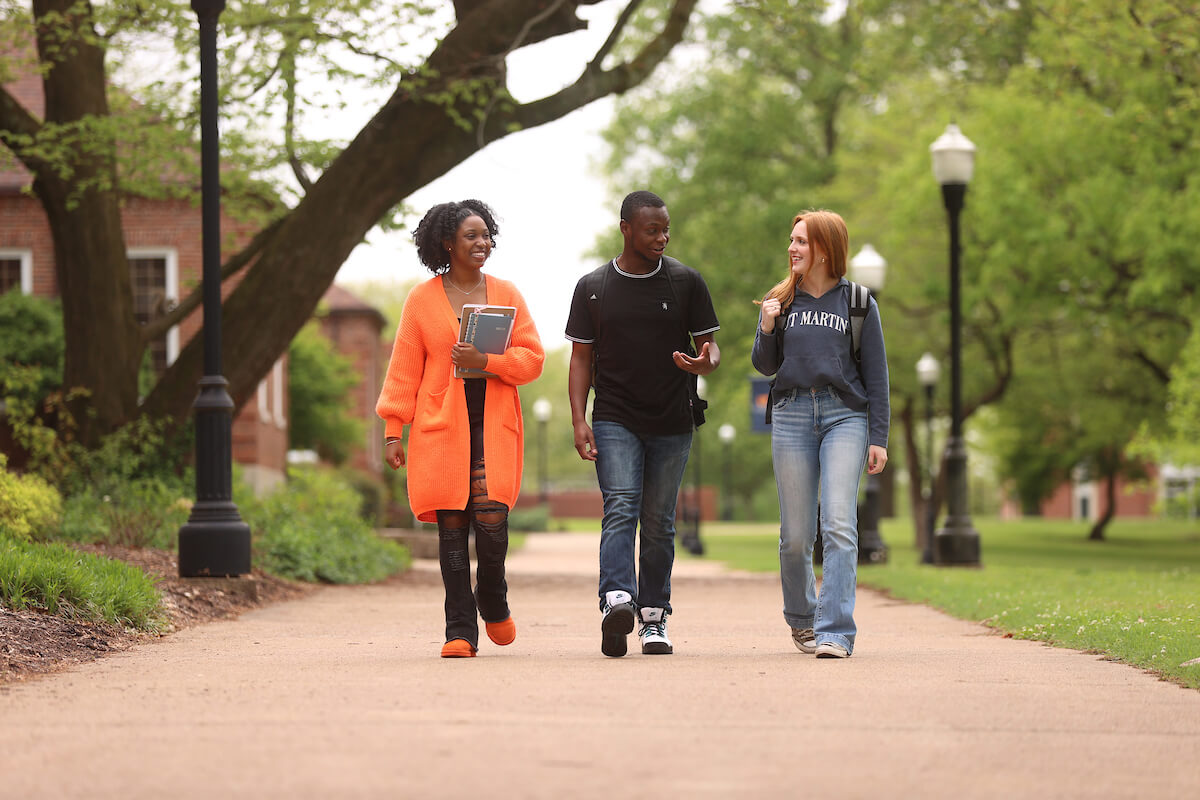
[393, 454]
[770, 311]
[876, 459]
[465, 355]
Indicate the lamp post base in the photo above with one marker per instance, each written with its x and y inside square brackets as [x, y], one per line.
[957, 544]
[215, 542]
[871, 549]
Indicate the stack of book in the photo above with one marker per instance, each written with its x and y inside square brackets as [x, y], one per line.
[489, 328]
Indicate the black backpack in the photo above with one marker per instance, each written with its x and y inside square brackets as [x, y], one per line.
[860, 303]
[595, 282]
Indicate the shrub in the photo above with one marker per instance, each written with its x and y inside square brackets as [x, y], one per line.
[30, 508]
[320, 388]
[146, 512]
[310, 529]
[533, 518]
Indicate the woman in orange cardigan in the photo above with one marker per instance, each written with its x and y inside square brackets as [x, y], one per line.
[466, 442]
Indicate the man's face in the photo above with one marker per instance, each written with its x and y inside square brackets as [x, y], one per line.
[648, 232]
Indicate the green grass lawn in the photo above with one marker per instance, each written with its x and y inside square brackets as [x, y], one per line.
[1134, 597]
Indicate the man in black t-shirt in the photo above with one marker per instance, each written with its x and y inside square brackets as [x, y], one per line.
[632, 324]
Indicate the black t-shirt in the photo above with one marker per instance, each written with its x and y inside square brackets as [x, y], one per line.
[643, 320]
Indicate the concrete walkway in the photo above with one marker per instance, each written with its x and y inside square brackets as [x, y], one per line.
[342, 695]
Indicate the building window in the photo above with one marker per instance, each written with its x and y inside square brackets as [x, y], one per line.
[155, 278]
[16, 271]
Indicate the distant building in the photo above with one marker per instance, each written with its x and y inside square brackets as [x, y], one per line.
[163, 244]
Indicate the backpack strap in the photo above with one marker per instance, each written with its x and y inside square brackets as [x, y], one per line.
[860, 304]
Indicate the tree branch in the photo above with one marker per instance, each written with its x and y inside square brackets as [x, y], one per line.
[595, 83]
[17, 122]
[160, 325]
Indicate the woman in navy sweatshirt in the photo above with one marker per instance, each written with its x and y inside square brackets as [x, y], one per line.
[830, 417]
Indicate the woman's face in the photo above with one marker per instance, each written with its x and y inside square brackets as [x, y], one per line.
[801, 253]
[472, 243]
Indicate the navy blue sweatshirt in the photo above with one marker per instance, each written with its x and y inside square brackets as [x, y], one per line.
[810, 348]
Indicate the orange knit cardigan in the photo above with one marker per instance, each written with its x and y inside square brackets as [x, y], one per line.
[420, 390]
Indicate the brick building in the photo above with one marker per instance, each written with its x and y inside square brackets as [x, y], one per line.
[163, 244]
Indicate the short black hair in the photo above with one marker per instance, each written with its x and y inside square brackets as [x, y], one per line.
[441, 223]
[638, 200]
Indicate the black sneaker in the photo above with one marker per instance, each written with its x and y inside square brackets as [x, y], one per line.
[617, 623]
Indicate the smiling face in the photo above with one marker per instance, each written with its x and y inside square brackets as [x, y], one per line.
[472, 244]
[801, 251]
[647, 234]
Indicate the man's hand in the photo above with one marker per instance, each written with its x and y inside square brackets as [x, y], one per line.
[585, 441]
[702, 364]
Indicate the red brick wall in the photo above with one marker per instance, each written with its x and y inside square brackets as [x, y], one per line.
[154, 224]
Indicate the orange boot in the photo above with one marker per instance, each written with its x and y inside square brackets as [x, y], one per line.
[502, 632]
[458, 648]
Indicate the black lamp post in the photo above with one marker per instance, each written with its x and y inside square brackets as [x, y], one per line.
[957, 543]
[541, 412]
[928, 372]
[870, 269]
[214, 541]
[727, 433]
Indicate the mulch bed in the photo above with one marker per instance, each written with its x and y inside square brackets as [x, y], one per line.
[34, 643]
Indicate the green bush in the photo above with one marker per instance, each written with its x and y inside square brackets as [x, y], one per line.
[311, 529]
[146, 512]
[322, 416]
[62, 581]
[531, 519]
[31, 337]
[30, 508]
[372, 495]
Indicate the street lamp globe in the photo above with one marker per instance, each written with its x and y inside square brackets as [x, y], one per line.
[542, 409]
[869, 268]
[928, 370]
[953, 157]
[726, 433]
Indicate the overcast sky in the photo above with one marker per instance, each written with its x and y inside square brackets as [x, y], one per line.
[542, 184]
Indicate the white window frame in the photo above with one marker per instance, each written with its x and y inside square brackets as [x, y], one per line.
[25, 256]
[171, 292]
[264, 412]
[277, 394]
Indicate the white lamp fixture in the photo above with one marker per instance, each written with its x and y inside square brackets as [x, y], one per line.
[726, 433]
[928, 370]
[869, 268]
[542, 409]
[953, 157]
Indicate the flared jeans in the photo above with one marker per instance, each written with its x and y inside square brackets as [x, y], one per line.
[819, 449]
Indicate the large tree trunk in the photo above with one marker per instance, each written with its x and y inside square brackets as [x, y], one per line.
[408, 143]
[103, 345]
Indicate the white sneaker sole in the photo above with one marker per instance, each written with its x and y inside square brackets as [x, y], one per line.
[829, 650]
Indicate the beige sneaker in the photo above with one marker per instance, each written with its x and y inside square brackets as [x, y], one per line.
[805, 640]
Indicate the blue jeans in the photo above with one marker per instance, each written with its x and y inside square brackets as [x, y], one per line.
[639, 478]
[819, 449]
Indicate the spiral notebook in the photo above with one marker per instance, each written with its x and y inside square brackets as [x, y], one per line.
[487, 327]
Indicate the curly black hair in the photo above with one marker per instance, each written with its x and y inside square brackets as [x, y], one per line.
[440, 224]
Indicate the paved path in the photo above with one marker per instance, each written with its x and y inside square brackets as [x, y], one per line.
[341, 695]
